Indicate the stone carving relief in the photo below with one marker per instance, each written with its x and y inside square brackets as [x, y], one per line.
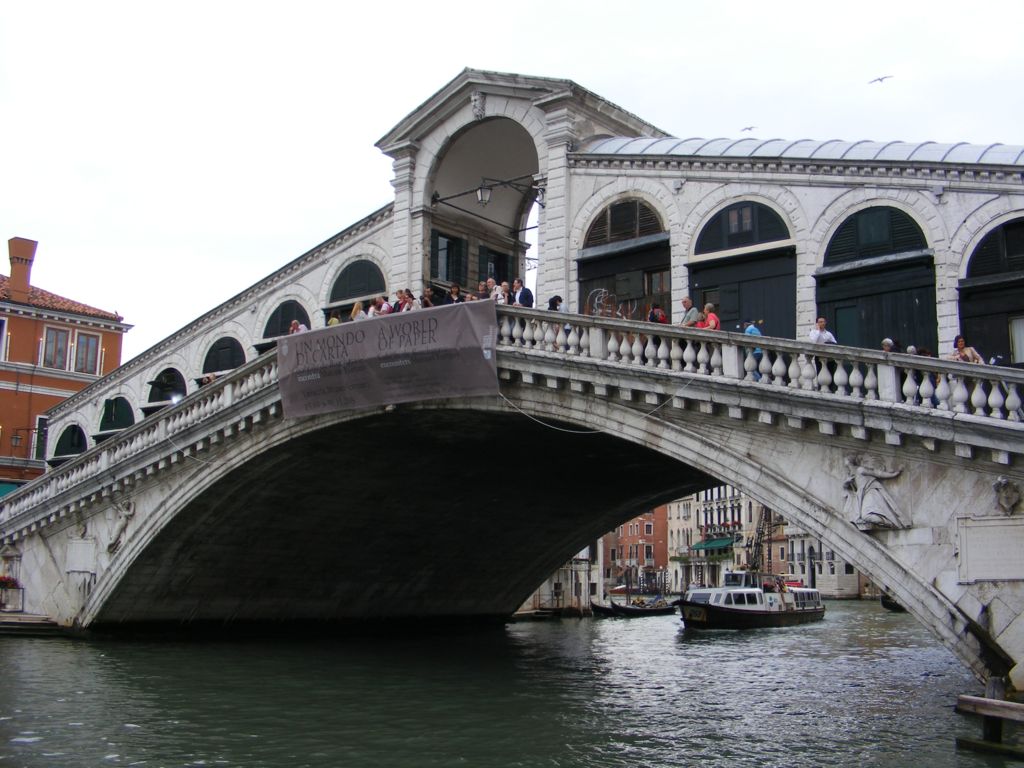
[479, 101]
[125, 513]
[868, 504]
[1007, 495]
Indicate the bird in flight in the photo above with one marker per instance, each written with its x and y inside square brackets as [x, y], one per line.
[749, 128]
[879, 79]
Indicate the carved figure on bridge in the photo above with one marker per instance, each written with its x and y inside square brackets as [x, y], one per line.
[1007, 494]
[126, 511]
[868, 504]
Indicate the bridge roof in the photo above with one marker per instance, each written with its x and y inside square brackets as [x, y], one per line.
[810, 149]
[41, 299]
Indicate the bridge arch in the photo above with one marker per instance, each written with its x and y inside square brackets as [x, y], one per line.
[657, 459]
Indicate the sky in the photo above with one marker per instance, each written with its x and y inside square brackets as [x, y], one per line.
[168, 156]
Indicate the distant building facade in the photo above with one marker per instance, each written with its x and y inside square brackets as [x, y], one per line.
[636, 553]
[50, 348]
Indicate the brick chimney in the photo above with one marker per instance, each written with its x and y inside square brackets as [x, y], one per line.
[22, 252]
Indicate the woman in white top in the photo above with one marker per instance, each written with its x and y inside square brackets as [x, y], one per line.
[357, 312]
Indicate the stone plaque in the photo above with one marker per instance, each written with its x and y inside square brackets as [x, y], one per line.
[990, 549]
[81, 555]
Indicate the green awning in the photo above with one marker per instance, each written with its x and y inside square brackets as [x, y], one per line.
[728, 541]
[6, 488]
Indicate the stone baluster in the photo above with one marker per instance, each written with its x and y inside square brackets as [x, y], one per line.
[561, 339]
[613, 346]
[690, 356]
[506, 330]
[926, 390]
[996, 401]
[702, 358]
[870, 383]
[841, 378]
[1012, 403]
[663, 354]
[530, 338]
[978, 398]
[910, 387]
[824, 377]
[766, 367]
[749, 364]
[676, 355]
[625, 348]
[650, 352]
[716, 359]
[960, 394]
[856, 380]
[795, 369]
[808, 374]
[517, 333]
[943, 392]
[637, 350]
[584, 341]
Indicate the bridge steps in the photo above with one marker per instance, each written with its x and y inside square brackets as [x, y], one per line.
[29, 625]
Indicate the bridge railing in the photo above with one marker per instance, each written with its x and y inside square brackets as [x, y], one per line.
[156, 432]
[992, 392]
[989, 392]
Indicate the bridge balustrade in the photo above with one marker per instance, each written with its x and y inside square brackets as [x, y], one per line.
[989, 393]
[928, 383]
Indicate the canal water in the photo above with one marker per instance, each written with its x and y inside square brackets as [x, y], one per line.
[865, 687]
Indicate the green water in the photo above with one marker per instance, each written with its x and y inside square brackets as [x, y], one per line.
[865, 687]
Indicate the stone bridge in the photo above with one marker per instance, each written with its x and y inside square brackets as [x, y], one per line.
[219, 509]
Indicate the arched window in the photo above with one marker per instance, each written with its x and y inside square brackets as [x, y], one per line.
[278, 323]
[226, 354]
[168, 385]
[624, 269]
[878, 281]
[71, 443]
[1001, 250]
[876, 231]
[117, 414]
[626, 220]
[739, 225]
[992, 295]
[358, 279]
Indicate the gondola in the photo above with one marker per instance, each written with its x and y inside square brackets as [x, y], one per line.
[640, 607]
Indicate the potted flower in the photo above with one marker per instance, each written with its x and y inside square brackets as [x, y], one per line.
[8, 582]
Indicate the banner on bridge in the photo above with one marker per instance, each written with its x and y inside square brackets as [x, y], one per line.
[425, 354]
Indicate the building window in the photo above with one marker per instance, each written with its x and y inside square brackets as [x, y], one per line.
[848, 569]
[627, 220]
[782, 553]
[87, 353]
[649, 529]
[1016, 340]
[739, 225]
[874, 232]
[55, 348]
[448, 258]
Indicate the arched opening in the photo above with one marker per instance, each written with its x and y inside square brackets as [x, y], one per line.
[117, 415]
[992, 295]
[752, 272]
[72, 442]
[485, 185]
[166, 389]
[360, 281]
[624, 267]
[878, 281]
[225, 354]
[279, 322]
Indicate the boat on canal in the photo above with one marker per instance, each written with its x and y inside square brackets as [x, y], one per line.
[640, 606]
[750, 600]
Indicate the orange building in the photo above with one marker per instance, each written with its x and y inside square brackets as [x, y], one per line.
[636, 553]
[50, 348]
